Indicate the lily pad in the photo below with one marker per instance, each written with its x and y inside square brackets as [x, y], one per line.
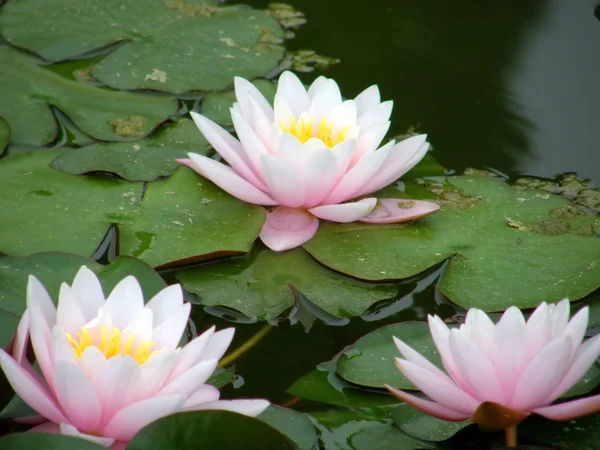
[21, 441]
[144, 160]
[4, 134]
[46, 209]
[216, 105]
[28, 90]
[370, 360]
[295, 425]
[258, 285]
[207, 430]
[167, 45]
[187, 219]
[423, 426]
[506, 247]
[578, 434]
[54, 268]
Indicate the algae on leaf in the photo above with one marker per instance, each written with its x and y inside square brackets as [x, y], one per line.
[174, 46]
[28, 90]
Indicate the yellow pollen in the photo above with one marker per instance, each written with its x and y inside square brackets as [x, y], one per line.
[303, 129]
[110, 344]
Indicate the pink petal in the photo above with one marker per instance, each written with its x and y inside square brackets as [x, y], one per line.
[429, 407]
[345, 212]
[88, 290]
[438, 388]
[189, 381]
[77, 397]
[19, 347]
[251, 408]
[60, 348]
[482, 328]
[30, 390]
[539, 331]
[368, 99]
[124, 302]
[38, 295]
[577, 327]
[191, 354]
[131, 419]
[163, 303]
[69, 316]
[70, 430]
[292, 90]
[440, 334]
[320, 177]
[396, 210]
[415, 357]
[205, 393]
[369, 140]
[571, 410]
[245, 90]
[40, 340]
[168, 333]
[403, 157]
[287, 228]
[219, 342]
[155, 373]
[91, 361]
[252, 145]
[292, 151]
[542, 375]
[283, 181]
[228, 147]
[262, 126]
[559, 317]
[228, 180]
[358, 176]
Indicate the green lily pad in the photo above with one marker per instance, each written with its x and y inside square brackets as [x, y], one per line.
[295, 425]
[207, 430]
[370, 360]
[54, 268]
[54, 211]
[144, 160]
[216, 105]
[258, 285]
[578, 434]
[221, 377]
[322, 385]
[28, 89]
[22, 441]
[506, 247]
[4, 134]
[168, 45]
[423, 426]
[186, 219]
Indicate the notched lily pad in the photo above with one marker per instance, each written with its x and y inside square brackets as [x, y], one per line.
[28, 90]
[144, 160]
[46, 209]
[188, 219]
[258, 285]
[506, 246]
[207, 43]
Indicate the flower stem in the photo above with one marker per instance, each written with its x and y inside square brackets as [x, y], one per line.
[510, 436]
[229, 359]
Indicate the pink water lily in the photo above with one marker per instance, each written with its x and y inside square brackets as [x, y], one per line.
[111, 366]
[308, 156]
[514, 367]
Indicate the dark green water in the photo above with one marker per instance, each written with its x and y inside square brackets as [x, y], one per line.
[512, 85]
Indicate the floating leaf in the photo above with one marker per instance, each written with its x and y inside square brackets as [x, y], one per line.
[295, 425]
[258, 285]
[4, 134]
[578, 434]
[28, 89]
[22, 441]
[216, 105]
[144, 160]
[209, 430]
[423, 426]
[168, 45]
[507, 247]
[54, 268]
[52, 210]
[221, 377]
[188, 218]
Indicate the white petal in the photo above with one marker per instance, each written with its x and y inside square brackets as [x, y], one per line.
[559, 317]
[91, 361]
[292, 90]
[192, 353]
[379, 114]
[118, 383]
[539, 331]
[88, 290]
[189, 381]
[345, 212]
[60, 349]
[156, 371]
[261, 125]
[369, 139]
[251, 408]
[245, 90]
[320, 177]
[368, 99]
[343, 115]
[69, 316]
[253, 146]
[168, 334]
[124, 302]
[283, 181]
[38, 295]
[577, 327]
[165, 302]
[325, 99]
[70, 430]
[205, 393]
[219, 342]
[19, 348]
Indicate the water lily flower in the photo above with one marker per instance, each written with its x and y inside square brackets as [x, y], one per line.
[308, 156]
[499, 374]
[111, 366]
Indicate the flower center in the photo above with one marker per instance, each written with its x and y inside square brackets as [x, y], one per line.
[110, 343]
[303, 130]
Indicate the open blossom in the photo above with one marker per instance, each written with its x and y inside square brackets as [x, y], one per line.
[308, 155]
[520, 367]
[111, 366]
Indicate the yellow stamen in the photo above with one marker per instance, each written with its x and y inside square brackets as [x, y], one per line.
[110, 344]
[303, 130]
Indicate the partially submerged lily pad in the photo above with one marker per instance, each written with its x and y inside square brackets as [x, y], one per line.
[188, 219]
[144, 160]
[167, 45]
[506, 247]
[28, 90]
[259, 285]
